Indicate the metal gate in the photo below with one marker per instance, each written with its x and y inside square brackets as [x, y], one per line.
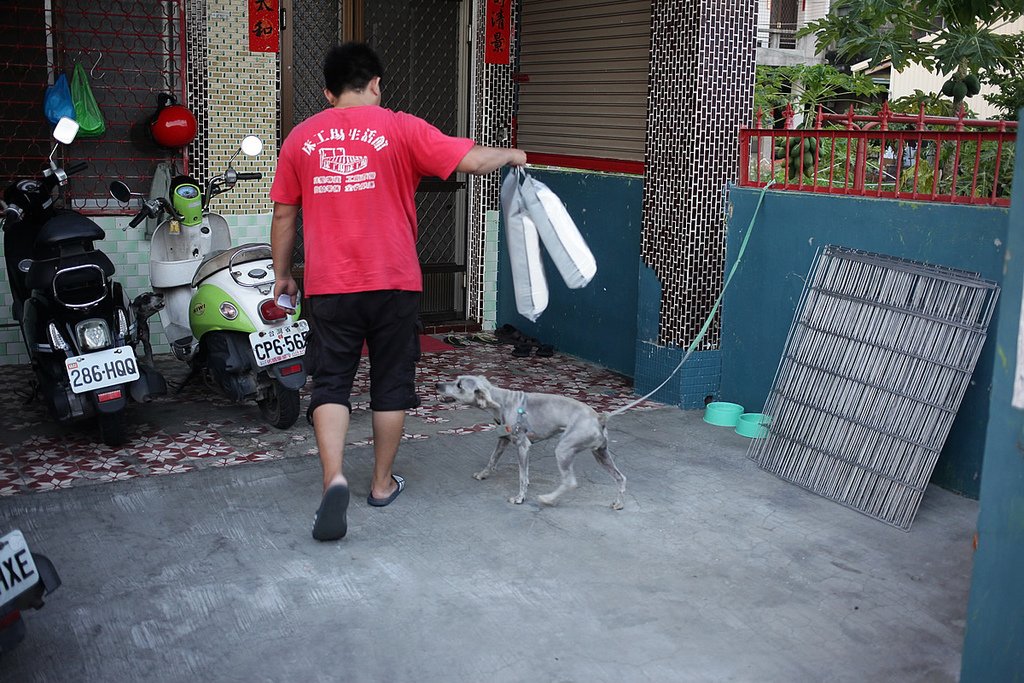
[422, 44]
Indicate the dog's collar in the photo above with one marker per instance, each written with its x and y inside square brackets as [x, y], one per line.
[520, 424]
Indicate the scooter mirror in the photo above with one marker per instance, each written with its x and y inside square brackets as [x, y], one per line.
[251, 145]
[120, 191]
[65, 130]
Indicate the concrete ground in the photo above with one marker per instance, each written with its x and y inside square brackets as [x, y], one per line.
[715, 571]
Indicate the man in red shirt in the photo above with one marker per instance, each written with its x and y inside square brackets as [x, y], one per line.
[354, 169]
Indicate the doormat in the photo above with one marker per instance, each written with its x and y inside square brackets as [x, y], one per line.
[428, 344]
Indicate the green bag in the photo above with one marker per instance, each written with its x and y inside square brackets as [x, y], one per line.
[90, 118]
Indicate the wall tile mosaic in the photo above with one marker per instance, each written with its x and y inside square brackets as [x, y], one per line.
[701, 89]
[242, 89]
[491, 124]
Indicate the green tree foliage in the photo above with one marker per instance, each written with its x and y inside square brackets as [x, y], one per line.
[964, 45]
[934, 105]
[805, 86]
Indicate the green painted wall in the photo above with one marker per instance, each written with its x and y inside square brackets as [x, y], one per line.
[758, 307]
[994, 639]
[598, 322]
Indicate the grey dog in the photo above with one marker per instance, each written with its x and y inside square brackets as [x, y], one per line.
[526, 418]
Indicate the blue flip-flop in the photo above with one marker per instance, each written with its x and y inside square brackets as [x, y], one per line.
[381, 502]
[331, 520]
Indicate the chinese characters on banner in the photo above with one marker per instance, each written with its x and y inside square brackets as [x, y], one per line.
[498, 32]
[263, 25]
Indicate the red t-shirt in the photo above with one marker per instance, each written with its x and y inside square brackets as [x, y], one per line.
[354, 171]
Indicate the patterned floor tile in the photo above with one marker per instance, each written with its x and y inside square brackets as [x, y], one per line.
[192, 427]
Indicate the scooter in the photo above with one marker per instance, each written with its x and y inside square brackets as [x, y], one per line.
[219, 315]
[76, 321]
[25, 578]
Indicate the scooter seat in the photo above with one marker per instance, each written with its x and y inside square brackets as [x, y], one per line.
[68, 227]
[219, 260]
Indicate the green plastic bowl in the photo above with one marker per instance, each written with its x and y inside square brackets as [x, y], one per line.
[723, 414]
[753, 425]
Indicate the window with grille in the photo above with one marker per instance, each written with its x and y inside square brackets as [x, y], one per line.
[132, 50]
[583, 80]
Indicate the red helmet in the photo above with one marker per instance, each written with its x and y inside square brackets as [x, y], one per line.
[173, 125]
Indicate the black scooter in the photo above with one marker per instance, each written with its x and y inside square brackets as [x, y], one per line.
[76, 321]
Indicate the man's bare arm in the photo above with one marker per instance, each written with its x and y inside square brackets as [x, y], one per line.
[480, 160]
[282, 243]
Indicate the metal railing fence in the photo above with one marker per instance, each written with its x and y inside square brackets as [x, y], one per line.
[900, 156]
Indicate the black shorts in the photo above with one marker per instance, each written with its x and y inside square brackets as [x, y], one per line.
[387, 320]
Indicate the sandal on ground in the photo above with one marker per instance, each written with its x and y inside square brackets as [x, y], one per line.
[381, 502]
[454, 341]
[506, 333]
[331, 520]
[545, 351]
[522, 350]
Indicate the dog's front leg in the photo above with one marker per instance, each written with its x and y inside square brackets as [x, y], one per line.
[493, 463]
[524, 470]
[147, 351]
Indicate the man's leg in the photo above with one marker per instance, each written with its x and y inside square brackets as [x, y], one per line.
[388, 426]
[394, 349]
[330, 424]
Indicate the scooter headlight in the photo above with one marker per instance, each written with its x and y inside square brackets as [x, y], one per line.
[93, 334]
[56, 339]
[228, 310]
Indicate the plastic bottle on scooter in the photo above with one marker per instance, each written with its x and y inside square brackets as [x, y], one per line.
[219, 315]
[76, 321]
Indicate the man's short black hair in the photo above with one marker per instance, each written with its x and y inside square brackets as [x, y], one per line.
[350, 67]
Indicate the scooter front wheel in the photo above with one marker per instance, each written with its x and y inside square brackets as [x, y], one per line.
[280, 407]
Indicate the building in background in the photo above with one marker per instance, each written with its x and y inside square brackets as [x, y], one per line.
[777, 24]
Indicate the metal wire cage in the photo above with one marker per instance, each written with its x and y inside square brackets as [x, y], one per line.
[878, 359]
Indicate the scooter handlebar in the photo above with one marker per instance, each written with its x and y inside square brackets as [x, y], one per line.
[76, 168]
[250, 176]
[139, 217]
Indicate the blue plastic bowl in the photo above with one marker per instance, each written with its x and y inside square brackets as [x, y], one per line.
[723, 414]
[753, 425]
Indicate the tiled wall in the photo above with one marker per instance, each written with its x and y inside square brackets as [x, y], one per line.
[701, 89]
[491, 124]
[242, 88]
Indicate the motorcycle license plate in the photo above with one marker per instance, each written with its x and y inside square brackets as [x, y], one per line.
[17, 569]
[280, 343]
[102, 369]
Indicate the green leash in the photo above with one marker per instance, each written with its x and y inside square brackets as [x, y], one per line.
[714, 309]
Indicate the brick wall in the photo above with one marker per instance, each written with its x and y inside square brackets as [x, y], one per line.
[701, 89]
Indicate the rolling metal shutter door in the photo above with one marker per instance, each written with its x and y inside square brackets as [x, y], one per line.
[584, 69]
